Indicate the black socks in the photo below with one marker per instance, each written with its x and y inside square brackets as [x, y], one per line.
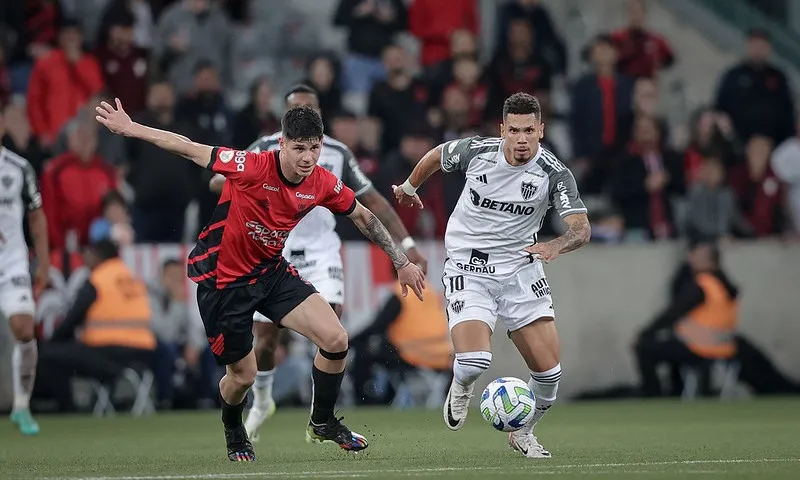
[326, 392]
[232, 414]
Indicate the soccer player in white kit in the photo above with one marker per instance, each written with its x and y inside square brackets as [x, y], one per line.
[494, 262]
[19, 194]
[313, 247]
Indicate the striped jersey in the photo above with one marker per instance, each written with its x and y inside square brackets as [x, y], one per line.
[257, 209]
[19, 194]
[502, 207]
[316, 232]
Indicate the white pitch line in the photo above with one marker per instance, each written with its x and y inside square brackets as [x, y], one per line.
[428, 471]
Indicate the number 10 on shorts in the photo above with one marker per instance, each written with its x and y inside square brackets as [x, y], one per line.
[456, 283]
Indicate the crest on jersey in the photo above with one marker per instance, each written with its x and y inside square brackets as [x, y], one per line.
[457, 306]
[7, 181]
[528, 190]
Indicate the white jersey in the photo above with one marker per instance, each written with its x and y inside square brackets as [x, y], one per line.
[317, 230]
[502, 207]
[19, 194]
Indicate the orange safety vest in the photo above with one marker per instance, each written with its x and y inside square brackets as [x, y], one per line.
[120, 316]
[420, 331]
[709, 330]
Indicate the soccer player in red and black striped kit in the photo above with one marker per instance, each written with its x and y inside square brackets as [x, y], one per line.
[238, 266]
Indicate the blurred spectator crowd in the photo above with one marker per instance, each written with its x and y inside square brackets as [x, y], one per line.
[215, 71]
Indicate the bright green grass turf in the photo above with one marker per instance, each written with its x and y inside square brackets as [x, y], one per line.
[747, 439]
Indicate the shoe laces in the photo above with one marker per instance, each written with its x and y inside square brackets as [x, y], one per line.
[459, 403]
[339, 429]
[530, 440]
[237, 438]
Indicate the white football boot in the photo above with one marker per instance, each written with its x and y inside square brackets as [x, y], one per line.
[527, 444]
[256, 417]
[456, 405]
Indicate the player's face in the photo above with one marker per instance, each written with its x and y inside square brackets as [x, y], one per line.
[303, 99]
[301, 155]
[522, 134]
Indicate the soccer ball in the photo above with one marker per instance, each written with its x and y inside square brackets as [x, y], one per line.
[507, 404]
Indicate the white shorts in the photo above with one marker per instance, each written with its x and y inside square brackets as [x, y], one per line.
[16, 294]
[324, 271]
[517, 300]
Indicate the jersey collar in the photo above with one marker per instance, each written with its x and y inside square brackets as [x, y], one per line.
[280, 172]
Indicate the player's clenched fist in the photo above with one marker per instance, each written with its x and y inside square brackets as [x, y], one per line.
[405, 199]
[115, 119]
[546, 252]
[411, 276]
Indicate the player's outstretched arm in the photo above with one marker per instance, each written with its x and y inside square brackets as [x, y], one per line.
[578, 233]
[120, 123]
[406, 193]
[408, 273]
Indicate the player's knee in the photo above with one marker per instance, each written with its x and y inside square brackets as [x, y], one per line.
[335, 345]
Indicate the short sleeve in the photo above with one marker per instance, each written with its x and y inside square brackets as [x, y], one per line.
[336, 196]
[353, 176]
[457, 154]
[564, 196]
[31, 197]
[240, 166]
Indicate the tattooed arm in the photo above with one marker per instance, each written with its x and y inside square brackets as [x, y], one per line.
[577, 235]
[408, 274]
[373, 229]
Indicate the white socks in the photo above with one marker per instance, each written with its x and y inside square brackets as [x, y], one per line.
[23, 372]
[468, 366]
[262, 389]
[544, 386]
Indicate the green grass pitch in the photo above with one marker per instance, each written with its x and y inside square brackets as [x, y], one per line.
[636, 439]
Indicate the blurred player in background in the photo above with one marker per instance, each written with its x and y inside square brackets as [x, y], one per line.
[313, 248]
[20, 195]
[492, 270]
[238, 266]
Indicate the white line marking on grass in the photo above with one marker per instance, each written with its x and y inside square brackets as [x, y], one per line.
[542, 467]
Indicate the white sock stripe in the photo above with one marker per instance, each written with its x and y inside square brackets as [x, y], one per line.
[545, 377]
[475, 360]
[482, 366]
[265, 373]
[547, 382]
[547, 373]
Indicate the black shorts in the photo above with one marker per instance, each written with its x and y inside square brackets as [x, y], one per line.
[228, 313]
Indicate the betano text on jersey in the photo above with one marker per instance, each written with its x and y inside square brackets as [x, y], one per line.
[502, 206]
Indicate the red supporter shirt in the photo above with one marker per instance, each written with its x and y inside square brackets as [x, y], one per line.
[257, 209]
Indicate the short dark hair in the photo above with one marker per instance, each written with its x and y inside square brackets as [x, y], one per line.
[171, 262]
[522, 104]
[203, 64]
[760, 33]
[301, 123]
[300, 88]
[105, 249]
[70, 23]
[112, 197]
